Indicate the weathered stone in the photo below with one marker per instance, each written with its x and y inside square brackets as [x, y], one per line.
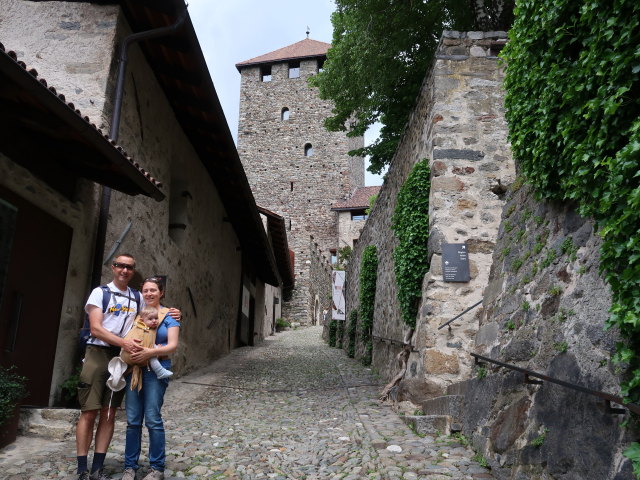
[438, 168]
[437, 363]
[457, 154]
[447, 184]
[416, 390]
[509, 425]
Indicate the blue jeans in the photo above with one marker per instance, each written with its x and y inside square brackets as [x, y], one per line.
[145, 404]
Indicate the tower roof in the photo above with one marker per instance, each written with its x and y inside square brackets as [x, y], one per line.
[306, 48]
[358, 200]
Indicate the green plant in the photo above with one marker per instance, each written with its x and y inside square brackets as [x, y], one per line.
[510, 325]
[510, 210]
[517, 263]
[526, 215]
[282, 323]
[418, 412]
[538, 220]
[339, 333]
[526, 306]
[368, 279]
[410, 224]
[539, 440]
[505, 252]
[561, 347]
[549, 258]
[582, 270]
[569, 248]
[481, 372]
[462, 440]
[633, 453]
[521, 233]
[372, 201]
[351, 333]
[555, 290]
[344, 254]
[481, 460]
[333, 330]
[12, 390]
[574, 125]
[508, 227]
[69, 387]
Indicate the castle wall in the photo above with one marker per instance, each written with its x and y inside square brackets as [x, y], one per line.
[545, 310]
[300, 188]
[458, 124]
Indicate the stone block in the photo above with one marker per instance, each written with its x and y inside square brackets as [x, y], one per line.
[458, 154]
[447, 184]
[450, 405]
[417, 390]
[438, 363]
[487, 335]
[428, 424]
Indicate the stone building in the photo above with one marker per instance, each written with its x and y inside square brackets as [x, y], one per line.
[295, 167]
[201, 227]
[351, 216]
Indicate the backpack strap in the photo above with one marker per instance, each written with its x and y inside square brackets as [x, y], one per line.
[136, 295]
[106, 296]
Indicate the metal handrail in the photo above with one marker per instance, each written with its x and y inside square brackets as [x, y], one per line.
[607, 397]
[459, 315]
[392, 341]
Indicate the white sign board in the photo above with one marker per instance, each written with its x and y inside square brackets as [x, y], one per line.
[338, 304]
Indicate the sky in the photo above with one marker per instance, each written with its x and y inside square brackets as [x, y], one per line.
[230, 32]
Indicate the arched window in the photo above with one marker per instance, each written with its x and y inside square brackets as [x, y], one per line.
[308, 150]
[284, 115]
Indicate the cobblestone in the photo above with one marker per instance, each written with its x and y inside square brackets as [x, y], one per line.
[290, 408]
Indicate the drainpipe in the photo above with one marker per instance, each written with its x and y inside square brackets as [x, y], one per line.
[114, 130]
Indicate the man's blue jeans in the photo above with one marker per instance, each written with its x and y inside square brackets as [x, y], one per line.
[145, 404]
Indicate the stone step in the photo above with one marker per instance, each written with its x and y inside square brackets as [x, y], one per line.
[445, 405]
[428, 424]
[51, 423]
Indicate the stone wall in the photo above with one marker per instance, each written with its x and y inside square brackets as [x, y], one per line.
[320, 283]
[544, 310]
[348, 229]
[457, 123]
[71, 45]
[300, 188]
[470, 163]
[205, 259]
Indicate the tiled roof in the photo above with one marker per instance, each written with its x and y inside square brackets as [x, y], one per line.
[303, 49]
[18, 72]
[359, 199]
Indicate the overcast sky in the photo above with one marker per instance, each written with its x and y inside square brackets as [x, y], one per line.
[233, 31]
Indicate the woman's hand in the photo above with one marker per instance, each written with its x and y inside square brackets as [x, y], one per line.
[131, 346]
[143, 355]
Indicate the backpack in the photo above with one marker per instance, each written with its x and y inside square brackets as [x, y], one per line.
[85, 331]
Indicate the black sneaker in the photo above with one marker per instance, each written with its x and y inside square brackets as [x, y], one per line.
[84, 476]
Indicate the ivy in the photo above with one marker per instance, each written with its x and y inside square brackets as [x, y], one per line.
[368, 277]
[410, 224]
[333, 329]
[351, 333]
[339, 333]
[573, 108]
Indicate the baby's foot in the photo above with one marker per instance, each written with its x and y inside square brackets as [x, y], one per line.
[164, 374]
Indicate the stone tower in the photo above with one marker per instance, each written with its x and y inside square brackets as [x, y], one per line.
[295, 167]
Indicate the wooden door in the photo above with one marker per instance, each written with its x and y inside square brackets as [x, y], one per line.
[32, 291]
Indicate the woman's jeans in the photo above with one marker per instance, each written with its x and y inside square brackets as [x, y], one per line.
[145, 404]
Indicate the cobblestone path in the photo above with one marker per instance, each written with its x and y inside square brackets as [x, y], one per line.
[290, 408]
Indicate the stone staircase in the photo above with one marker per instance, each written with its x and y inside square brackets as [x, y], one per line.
[51, 423]
[441, 414]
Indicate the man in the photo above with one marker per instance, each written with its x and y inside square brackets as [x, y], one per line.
[107, 332]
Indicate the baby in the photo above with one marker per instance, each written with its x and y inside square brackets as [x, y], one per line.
[144, 329]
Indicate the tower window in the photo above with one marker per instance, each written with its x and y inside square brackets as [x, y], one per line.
[265, 73]
[308, 150]
[284, 115]
[320, 65]
[294, 69]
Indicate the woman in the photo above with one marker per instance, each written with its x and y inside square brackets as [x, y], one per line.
[146, 403]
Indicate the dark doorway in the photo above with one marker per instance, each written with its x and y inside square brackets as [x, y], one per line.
[32, 291]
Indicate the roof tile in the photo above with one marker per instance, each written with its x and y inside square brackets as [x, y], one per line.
[359, 199]
[303, 49]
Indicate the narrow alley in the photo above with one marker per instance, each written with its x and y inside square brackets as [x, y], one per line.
[290, 408]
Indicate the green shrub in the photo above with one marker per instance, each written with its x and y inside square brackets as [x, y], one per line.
[572, 82]
[368, 278]
[333, 329]
[410, 224]
[351, 333]
[12, 390]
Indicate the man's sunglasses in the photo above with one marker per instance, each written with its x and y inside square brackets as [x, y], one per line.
[124, 266]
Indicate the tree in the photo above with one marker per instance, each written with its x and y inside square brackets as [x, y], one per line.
[380, 53]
